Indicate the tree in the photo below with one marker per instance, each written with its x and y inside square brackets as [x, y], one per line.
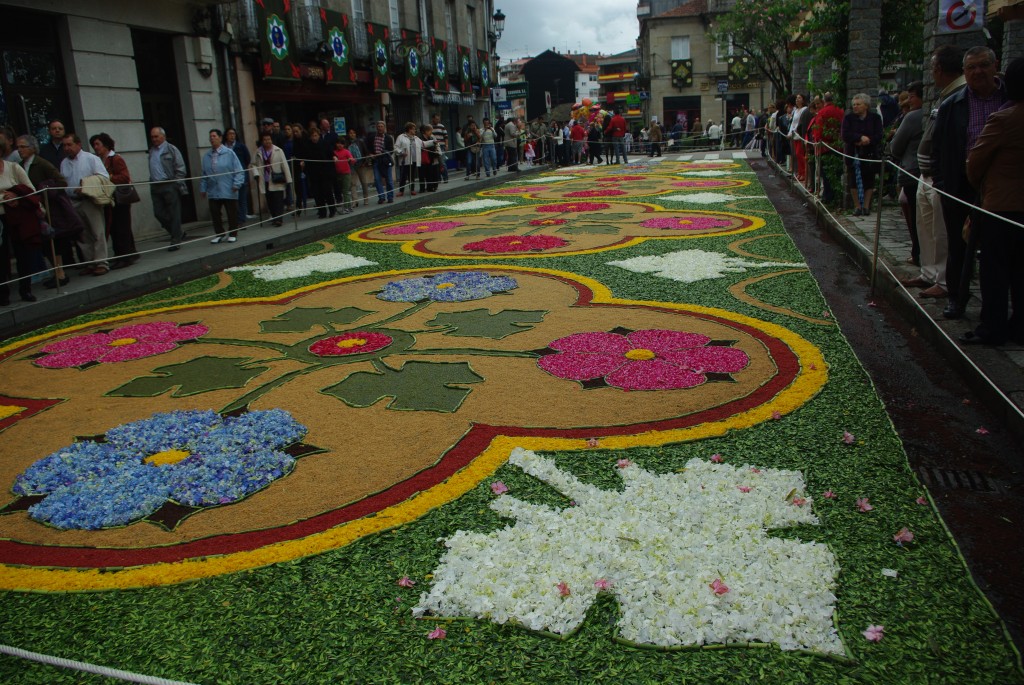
[763, 31]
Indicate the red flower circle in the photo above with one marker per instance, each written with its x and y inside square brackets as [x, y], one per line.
[596, 193]
[356, 342]
[516, 243]
[573, 207]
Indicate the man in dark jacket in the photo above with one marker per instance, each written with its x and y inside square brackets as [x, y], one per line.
[958, 125]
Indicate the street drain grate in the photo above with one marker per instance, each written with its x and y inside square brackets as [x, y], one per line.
[953, 479]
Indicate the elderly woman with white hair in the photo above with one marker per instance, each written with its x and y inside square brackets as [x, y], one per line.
[862, 138]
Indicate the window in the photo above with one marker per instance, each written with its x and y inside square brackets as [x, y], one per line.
[724, 50]
[394, 15]
[680, 47]
[471, 29]
[359, 29]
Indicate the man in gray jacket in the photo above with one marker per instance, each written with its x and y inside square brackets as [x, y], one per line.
[167, 172]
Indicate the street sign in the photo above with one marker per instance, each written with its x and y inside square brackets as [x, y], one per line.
[723, 85]
[499, 95]
[517, 91]
[959, 16]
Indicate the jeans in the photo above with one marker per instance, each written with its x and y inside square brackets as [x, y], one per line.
[619, 146]
[167, 208]
[383, 182]
[471, 163]
[490, 157]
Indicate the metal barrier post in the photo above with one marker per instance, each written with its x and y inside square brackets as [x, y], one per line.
[878, 228]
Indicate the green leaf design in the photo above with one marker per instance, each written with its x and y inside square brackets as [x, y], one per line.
[617, 216]
[203, 374]
[480, 323]
[581, 228]
[416, 386]
[498, 230]
[302, 319]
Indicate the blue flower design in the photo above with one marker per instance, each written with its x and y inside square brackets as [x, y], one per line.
[195, 458]
[450, 286]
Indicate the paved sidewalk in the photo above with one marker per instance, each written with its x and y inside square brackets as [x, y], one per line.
[996, 373]
[159, 268]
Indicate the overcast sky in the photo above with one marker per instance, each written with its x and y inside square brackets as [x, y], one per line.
[592, 26]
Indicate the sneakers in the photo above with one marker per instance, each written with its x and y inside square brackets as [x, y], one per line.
[232, 239]
[216, 240]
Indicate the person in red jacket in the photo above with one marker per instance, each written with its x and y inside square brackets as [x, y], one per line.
[578, 135]
[825, 129]
[617, 130]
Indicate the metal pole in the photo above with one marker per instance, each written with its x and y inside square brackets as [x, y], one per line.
[53, 247]
[878, 228]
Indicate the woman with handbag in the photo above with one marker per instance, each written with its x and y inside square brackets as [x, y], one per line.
[118, 215]
[273, 174]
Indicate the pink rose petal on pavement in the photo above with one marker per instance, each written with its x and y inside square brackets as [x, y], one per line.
[863, 505]
[499, 488]
[904, 535]
[623, 463]
[563, 590]
[848, 438]
[718, 587]
[717, 458]
[874, 633]
[828, 494]
[602, 584]
[405, 581]
[437, 633]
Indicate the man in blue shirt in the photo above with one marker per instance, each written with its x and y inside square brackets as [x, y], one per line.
[222, 177]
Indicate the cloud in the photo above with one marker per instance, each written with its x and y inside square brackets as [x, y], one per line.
[598, 26]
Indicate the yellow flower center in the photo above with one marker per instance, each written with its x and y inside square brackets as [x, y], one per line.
[640, 354]
[7, 410]
[515, 242]
[121, 342]
[444, 286]
[167, 457]
[423, 227]
[351, 342]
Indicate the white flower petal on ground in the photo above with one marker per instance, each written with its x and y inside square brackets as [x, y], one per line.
[298, 268]
[474, 204]
[659, 543]
[545, 179]
[709, 198]
[690, 266]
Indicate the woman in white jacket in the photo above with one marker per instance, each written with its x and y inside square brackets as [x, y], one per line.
[273, 174]
[408, 149]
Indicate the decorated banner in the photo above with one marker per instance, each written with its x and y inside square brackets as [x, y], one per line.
[379, 37]
[439, 63]
[414, 67]
[338, 38]
[961, 16]
[485, 72]
[739, 69]
[277, 56]
[682, 73]
[465, 70]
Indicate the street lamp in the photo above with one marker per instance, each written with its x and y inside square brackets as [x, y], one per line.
[499, 24]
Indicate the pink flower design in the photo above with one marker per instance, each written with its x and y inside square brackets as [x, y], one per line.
[572, 207]
[498, 487]
[563, 589]
[716, 458]
[606, 192]
[653, 359]
[516, 243]
[904, 535]
[422, 227]
[744, 488]
[623, 463]
[863, 505]
[548, 222]
[119, 345]
[849, 438]
[602, 584]
[874, 633]
[405, 581]
[437, 633]
[718, 587]
[828, 494]
[356, 342]
[686, 223]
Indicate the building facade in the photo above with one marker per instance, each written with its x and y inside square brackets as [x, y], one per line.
[618, 76]
[123, 66]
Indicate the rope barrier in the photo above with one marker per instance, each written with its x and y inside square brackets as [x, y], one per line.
[61, 662]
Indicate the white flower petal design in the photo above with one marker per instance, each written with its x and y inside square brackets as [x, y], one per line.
[546, 179]
[706, 198]
[659, 544]
[690, 266]
[475, 204]
[298, 268]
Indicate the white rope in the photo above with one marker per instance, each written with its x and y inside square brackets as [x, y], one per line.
[127, 676]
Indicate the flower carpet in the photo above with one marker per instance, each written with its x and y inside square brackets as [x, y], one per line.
[592, 425]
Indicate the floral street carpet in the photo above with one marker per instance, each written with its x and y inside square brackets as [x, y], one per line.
[591, 425]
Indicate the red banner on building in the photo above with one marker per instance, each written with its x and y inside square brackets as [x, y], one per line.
[338, 39]
[277, 51]
[379, 40]
[484, 62]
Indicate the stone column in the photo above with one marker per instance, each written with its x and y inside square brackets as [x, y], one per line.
[799, 74]
[1013, 40]
[865, 43]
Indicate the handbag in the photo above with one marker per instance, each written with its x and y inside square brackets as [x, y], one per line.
[126, 195]
[277, 177]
